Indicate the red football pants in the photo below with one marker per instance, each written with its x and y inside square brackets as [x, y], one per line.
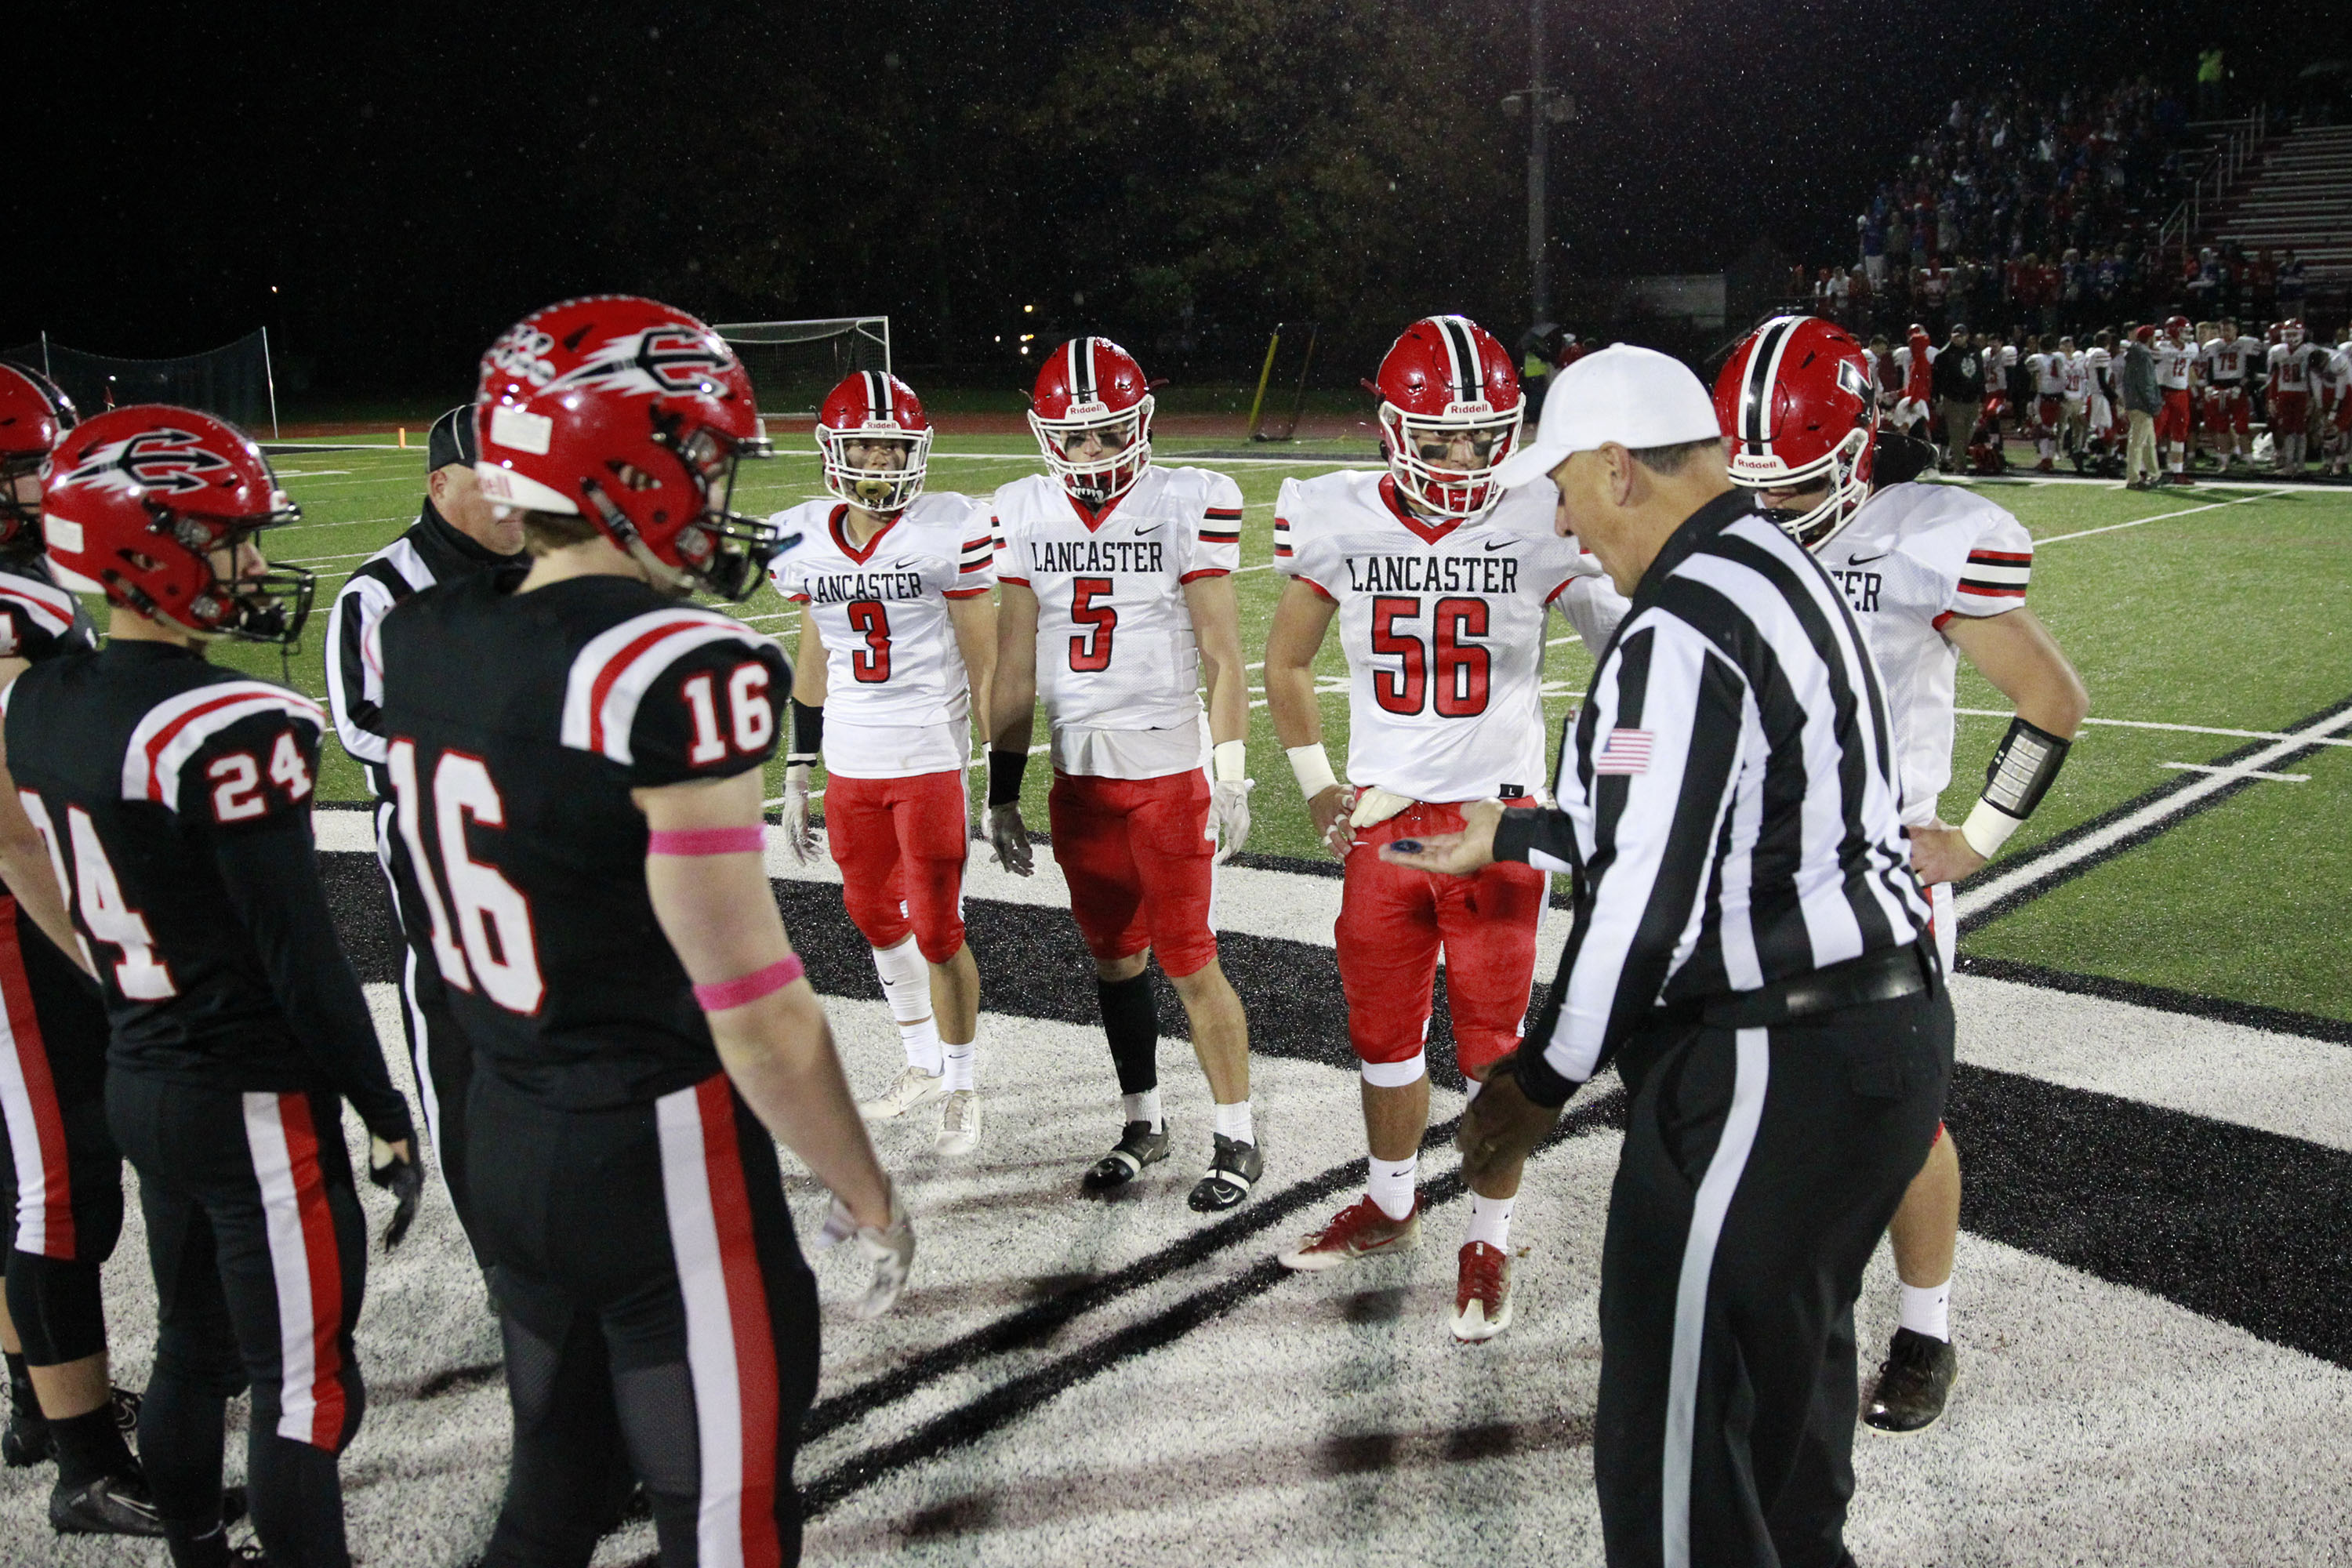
[2172, 419]
[1393, 920]
[1139, 858]
[900, 845]
[2225, 410]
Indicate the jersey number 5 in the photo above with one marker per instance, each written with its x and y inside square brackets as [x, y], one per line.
[1090, 650]
[493, 940]
[1461, 667]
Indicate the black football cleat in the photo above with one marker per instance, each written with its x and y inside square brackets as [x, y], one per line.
[1913, 1383]
[1234, 1169]
[26, 1441]
[110, 1505]
[1139, 1144]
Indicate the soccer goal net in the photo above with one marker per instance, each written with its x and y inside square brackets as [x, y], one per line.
[1282, 382]
[233, 381]
[793, 365]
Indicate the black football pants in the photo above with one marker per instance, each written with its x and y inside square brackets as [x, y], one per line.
[259, 1253]
[659, 1324]
[1760, 1168]
[60, 1175]
[438, 1052]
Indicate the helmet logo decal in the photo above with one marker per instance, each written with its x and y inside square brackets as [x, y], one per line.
[170, 460]
[522, 353]
[1849, 376]
[664, 359]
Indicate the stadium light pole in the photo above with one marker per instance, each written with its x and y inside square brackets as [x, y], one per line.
[1545, 106]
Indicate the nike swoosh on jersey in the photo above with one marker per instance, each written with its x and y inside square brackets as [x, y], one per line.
[1866, 560]
[1146, 528]
[1499, 543]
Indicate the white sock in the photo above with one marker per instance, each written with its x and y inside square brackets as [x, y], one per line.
[1928, 1309]
[1470, 1088]
[1144, 1106]
[907, 983]
[1392, 1186]
[961, 1059]
[1490, 1221]
[1235, 1121]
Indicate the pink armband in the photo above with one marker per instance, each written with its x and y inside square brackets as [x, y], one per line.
[705, 841]
[743, 988]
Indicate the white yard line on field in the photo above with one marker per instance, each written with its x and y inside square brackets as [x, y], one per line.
[2028, 873]
[2183, 729]
[2210, 768]
[2159, 517]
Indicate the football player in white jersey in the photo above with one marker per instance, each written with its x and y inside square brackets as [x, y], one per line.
[2075, 399]
[898, 641]
[2045, 369]
[1442, 585]
[2098, 364]
[1931, 572]
[2228, 360]
[2339, 391]
[1118, 600]
[2176, 380]
[2294, 368]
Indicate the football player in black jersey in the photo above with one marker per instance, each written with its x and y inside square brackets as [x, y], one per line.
[576, 764]
[173, 800]
[458, 533]
[60, 1175]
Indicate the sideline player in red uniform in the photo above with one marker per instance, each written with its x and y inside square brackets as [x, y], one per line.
[2294, 366]
[1442, 585]
[1931, 572]
[897, 642]
[2176, 379]
[577, 760]
[60, 1174]
[1117, 593]
[174, 801]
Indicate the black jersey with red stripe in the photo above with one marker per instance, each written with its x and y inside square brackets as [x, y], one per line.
[517, 725]
[38, 619]
[174, 800]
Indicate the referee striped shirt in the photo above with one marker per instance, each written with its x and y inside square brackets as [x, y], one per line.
[1727, 797]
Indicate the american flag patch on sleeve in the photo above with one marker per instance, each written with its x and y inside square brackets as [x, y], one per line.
[1623, 752]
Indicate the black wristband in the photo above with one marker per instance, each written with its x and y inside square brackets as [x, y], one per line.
[2024, 767]
[1004, 770]
[1538, 1082]
[808, 733]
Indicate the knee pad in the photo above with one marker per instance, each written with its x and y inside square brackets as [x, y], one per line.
[58, 1310]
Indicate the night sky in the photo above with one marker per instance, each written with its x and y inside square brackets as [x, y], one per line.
[387, 187]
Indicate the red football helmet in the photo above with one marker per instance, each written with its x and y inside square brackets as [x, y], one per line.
[149, 504]
[1794, 403]
[873, 407]
[1447, 382]
[2176, 327]
[34, 412]
[2291, 332]
[634, 416]
[1091, 386]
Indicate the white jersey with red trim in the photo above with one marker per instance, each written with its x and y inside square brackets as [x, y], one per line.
[2291, 369]
[2174, 362]
[2074, 377]
[1442, 625]
[1118, 667]
[1915, 556]
[2049, 373]
[2227, 362]
[897, 700]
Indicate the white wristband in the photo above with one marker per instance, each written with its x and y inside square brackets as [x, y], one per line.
[1989, 828]
[1231, 762]
[1312, 768]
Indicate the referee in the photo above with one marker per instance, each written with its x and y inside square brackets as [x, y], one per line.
[1747, 950]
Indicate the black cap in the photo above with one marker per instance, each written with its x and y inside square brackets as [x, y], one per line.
[452, 440]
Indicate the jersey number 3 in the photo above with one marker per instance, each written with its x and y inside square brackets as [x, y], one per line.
[492, 943]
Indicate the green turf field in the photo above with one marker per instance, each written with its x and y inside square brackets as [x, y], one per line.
[2219, 609]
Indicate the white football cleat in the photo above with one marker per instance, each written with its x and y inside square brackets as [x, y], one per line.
[914, 1087]
[958, 1123]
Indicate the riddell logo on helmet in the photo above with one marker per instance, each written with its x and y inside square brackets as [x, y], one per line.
[1476, 405]
[168, 460]
[1091, 405]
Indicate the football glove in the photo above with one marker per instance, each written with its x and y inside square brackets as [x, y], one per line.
[798, 838]
[400, 1175]
[890, 1250]
[1229, 809]
[1009, 836]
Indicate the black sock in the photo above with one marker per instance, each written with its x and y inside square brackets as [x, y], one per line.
[24, 1403]
[296, 1493]
[1132, 1021]
[89, 1446]
[196, 1545]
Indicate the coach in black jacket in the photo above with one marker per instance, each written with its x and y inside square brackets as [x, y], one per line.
[1748, 950]
[457, 533]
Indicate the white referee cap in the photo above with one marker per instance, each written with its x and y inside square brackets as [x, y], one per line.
[1636, 397]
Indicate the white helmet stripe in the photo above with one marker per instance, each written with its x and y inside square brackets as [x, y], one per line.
[1763, 375]
[1462, 353]
[878, 397]
[1081, 370]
